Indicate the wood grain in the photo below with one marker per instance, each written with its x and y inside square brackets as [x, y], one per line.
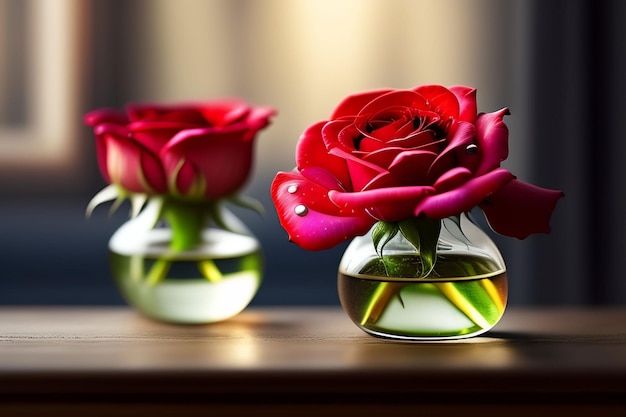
[277, 357]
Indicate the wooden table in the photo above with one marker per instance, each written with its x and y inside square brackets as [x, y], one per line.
[306, 361]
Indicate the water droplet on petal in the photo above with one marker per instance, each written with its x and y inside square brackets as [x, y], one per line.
[301, 210]
[292, 189]
[471, 149]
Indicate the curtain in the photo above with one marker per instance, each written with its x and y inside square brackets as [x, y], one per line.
[576, 107]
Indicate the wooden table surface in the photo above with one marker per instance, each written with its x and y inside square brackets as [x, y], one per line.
[294, 361]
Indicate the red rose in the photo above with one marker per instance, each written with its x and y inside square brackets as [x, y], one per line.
[196, 150]
[390, 155]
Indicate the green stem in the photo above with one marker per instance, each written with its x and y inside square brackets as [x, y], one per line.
[383, 294]
[422, 233]
[462, 303]
[186, 220]
[210, 270]
[158, 272]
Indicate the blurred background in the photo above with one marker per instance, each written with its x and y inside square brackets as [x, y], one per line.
[558, 65]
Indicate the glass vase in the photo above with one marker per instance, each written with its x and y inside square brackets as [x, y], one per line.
[464, 295]
[211, 282]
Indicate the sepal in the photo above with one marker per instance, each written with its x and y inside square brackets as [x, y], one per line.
[382, 233]
[423, 233]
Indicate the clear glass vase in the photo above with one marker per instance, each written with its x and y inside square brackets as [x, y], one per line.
[214, 281]
[464, 295]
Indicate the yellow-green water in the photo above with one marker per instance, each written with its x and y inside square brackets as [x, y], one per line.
[190, 290]
[465, 295]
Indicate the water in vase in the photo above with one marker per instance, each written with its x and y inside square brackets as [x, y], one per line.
[215, 281]
[464, 296]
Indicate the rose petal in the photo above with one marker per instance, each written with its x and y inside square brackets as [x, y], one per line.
[383, 157]
[183, 113]
[311, 151]
[101, 131]
[368, 144]
[187, 181]
[388, 204]
[339, 134]
[258, 118]
[155, 134]
[153, 172]
[459, 136]
[151, 125]
[467, 102]
[361, 171]
[221, 156]
[452, 179]
[127, 163]
[301, 190]
[155, 139]
[392, 102]
[465, 197]
[383, 180]
[224, 112]
[520, 209]
[441, 100]
[322, 177]
[397, 129]
[99, 116]
[411, 167]
[311, 220]
[352, 104]
[219, 113]
[492, 135]
[424, 140]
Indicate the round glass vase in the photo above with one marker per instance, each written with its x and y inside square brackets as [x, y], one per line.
[211, 282]
[465, 294]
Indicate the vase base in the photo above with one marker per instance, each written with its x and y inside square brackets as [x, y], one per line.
[422, 339]
[421, 310]
[193, 301]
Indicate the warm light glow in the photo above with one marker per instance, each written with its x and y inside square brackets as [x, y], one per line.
[299, 56]
[303, 56]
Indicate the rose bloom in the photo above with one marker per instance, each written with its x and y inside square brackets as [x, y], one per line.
[196, 150]
[390, 155]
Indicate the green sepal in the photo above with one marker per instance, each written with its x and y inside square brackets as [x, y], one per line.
[382, 233]
[423, 233]
[458, 231]
[118, 195]
[216, 215]
[248, 202]
[109, 193]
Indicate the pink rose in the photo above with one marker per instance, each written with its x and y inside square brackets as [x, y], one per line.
[196, 150]
[390, 155]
